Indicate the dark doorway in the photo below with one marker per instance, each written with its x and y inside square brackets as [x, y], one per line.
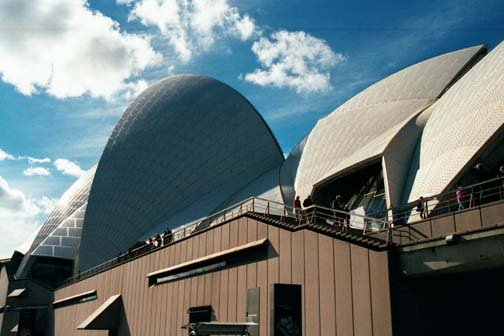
[286, 310]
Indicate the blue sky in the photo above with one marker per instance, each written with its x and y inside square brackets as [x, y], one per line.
[69, 68]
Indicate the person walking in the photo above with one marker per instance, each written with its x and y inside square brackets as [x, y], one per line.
[459, 196]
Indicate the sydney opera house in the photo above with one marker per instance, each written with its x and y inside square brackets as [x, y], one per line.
[413, 247]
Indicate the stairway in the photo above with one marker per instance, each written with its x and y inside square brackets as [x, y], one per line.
[353, 236]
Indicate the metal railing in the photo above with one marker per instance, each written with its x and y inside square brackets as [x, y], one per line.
[275, 210]
[405, 218]
[473, 195]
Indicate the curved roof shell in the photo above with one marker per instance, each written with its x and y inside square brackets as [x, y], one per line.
[462, 122]
[179, 151]
[362, 128]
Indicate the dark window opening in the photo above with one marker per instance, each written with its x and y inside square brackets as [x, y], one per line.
[76, 299]
[200, 314]
[234, 257]
[51, 271]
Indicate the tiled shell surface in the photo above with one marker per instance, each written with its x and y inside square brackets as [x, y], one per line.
[187, 142]
[68, 205]
[70, 202]
[64, 240]
[464, 119]
[363, 126]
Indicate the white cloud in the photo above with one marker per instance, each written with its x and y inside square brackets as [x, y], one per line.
[46, 204]
[133, 89]
[5, 156]
[17, 218]
[67, 167]
[193, 26]
[25, 246]
[36, 171]
[67, 50]
[32, 160]
[294, 60]
[15, 200]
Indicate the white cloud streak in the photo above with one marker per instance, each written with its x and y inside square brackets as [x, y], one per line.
[6, 156]
[67, 50]
[192, 27]
[67, 167]
[32, 160]
[36, 171]
[294, 60]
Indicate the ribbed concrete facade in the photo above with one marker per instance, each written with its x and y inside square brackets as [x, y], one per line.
[345, 288]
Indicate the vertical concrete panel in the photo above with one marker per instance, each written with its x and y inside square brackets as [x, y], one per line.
[169, 304]
[242, 230]
[151, 291]
[312, 294]
[216, 275]
[361, 291]
[207, 300]
[380, 293]
[285, 268]
[232, 287]
[252, 268]
[224, 277]
[241, 295]
[178, 295]
[262, 283]
[225, 237]
[223, 299]
[343, 288]
[188, 288]
[180, 306]
[326, 280]
[174, 308]
[298, 264]
[142, 288]
[200, 280]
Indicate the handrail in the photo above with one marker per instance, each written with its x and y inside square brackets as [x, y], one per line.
[479, 193]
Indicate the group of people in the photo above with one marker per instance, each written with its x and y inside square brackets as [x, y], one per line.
[161, 239]
[340, 210]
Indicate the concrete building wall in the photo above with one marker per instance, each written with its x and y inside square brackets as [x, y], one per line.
[345, 288]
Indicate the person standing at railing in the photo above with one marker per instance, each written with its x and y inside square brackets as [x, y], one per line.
[297, 208]
[337, 205]
[420, 207]
[167, 236]
[459, 196]
[307, 203]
